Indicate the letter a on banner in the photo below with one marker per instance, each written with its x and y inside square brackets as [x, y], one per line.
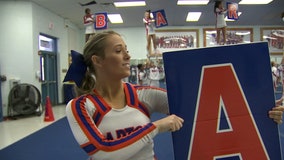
[224, 103]
[220, 88]
[160, 18]
[101, 21]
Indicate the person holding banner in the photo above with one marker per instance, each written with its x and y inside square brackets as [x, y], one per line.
[110, 119]
[149, 23]
[220, 21]
[89, 21]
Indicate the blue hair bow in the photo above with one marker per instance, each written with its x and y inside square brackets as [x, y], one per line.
[77, 69]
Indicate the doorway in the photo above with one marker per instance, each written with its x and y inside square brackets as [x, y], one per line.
[48, 70]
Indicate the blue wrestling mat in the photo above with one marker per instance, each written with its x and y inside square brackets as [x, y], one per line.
[52, 142]
[56, 142]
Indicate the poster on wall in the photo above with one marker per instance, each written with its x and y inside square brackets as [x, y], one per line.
[224, 96]
[173, 40]
[274, 36]
[234, 36]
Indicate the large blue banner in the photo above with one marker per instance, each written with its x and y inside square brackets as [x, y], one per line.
[224, 94]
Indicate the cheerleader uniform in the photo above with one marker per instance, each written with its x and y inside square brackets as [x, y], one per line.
[154, 76]
[220, 18]
[106, 133]
[150, 26]
[89, 21]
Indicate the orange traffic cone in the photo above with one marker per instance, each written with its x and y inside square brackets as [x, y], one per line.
[48, 117]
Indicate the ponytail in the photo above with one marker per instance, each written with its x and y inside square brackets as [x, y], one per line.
[87, 86]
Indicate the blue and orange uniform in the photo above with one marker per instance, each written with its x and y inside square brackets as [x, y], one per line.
[106, 133]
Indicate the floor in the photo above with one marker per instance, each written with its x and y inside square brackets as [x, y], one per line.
[13, 130]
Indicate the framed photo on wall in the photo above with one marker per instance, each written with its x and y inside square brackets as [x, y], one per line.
[173, 39]
[275, 39]
[234, 36]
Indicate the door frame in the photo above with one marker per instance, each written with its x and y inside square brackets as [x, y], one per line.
[48, 65]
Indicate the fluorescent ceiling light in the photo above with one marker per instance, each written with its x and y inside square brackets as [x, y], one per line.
[226, 18]
[192, 2]
[130, 4]
[255, 1]
[193, 16]
[115, 18]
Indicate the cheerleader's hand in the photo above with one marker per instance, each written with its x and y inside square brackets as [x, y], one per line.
[276, 114]
[170, 123]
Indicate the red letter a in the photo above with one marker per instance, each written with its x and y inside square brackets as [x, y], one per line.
[160, 19]
[220, 90]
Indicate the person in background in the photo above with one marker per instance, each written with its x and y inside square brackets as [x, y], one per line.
[220, 21]
[133, 78]
[281, 69]
[149, 23]
[110, 119]
[154, 75]
[89, 21]
[142, 75]
[275, 74]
